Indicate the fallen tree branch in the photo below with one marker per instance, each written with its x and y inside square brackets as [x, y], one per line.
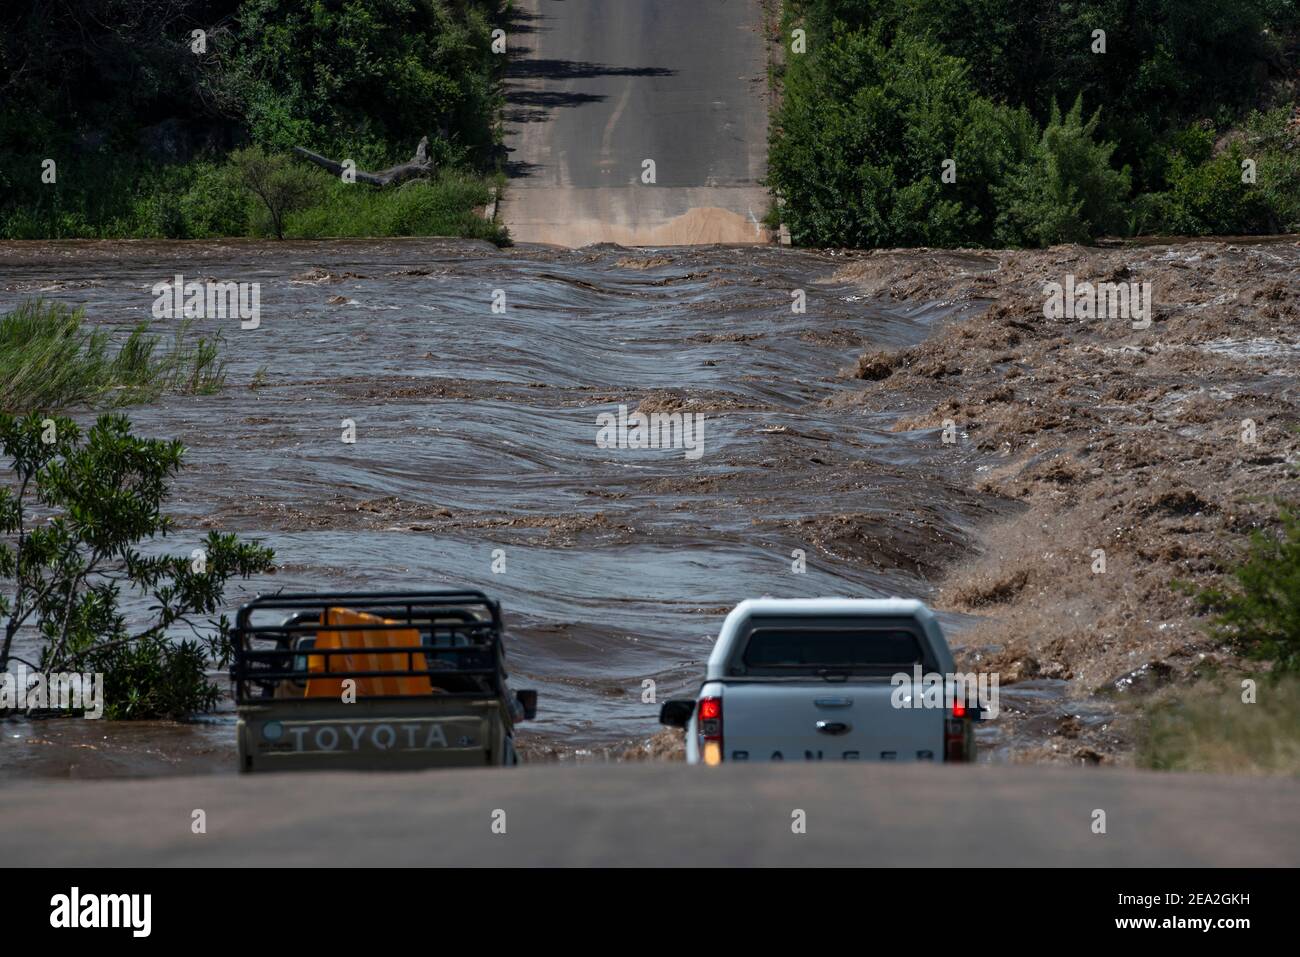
[419, 166]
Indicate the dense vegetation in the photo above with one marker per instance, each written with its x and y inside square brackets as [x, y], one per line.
[140, 115]
[1052, 140]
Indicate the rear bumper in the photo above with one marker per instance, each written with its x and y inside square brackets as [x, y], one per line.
[280, 740]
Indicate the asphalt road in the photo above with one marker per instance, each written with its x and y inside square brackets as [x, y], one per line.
[596, 87]
[661, 814]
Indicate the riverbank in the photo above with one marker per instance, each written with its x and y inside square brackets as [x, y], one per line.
[1135, 457]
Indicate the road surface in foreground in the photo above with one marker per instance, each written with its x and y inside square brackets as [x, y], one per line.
[595, 89]
[664, 814]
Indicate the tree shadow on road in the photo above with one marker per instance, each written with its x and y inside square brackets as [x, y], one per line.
[534, 106]
[520, 169]
[576, 70]
[521, 21]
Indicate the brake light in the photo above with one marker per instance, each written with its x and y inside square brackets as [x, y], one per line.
[959, 736]
[710, 730]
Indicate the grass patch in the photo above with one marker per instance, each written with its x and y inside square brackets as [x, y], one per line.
[1209, 728]
[50, 359]
[446, 206]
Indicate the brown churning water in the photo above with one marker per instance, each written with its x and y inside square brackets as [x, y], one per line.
[476, 439]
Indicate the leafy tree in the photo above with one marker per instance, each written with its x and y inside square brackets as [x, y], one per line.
[73, 525]
[1272, 138]
[1166, 62]
[1066, 190]
[281, 186]
[139, 120]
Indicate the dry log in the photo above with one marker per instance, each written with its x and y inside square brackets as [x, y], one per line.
[419, 166]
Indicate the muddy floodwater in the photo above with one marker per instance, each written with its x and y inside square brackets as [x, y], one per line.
[475, 461]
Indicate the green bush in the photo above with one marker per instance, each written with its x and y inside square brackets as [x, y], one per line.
[159, 677]
[1273, 141]
[208, 200]
[159, 215]
[215, 204]
[859, 146]
[1066, 191]
[95, 195]
[1261, 613]
[1210, 198]
[71, 527]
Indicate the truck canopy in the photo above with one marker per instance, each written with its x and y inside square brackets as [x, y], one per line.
[771, 637]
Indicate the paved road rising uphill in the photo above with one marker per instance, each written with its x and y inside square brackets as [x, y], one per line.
[595, 88]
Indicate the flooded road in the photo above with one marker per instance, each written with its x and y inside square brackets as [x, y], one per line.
[475, 460]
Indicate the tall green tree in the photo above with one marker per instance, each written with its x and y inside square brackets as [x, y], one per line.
[1065, 190]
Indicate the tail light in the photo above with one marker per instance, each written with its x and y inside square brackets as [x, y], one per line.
[710, 730]
[959, 735]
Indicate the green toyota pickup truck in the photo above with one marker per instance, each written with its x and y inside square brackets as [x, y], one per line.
[374, 681]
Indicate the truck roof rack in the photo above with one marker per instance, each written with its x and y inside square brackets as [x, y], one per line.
[450, 642]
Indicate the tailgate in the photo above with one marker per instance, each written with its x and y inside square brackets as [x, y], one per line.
[458, 737]
[822, 721]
